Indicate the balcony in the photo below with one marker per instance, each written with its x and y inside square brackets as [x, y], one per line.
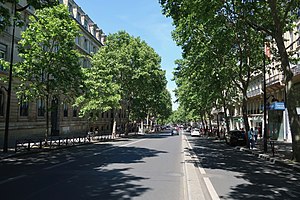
[255, 92]
[295, 69]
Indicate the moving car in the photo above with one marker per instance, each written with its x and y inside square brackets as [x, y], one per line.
[195, 132]
[236, 138]
[175, 132]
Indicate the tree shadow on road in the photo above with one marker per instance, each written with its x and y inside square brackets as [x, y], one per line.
[87, 172]
[260, 178]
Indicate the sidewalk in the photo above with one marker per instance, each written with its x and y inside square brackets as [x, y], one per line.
[282, 153]
[11, 151]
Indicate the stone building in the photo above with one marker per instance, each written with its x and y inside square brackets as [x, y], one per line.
[28, 119]
[277, 114]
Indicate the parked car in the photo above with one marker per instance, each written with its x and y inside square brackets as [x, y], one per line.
[188, 129]
[236, 138]
[195, 132]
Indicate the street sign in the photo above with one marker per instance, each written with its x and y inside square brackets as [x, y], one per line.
[277, 106]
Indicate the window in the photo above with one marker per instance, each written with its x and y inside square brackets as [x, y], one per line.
[65, 110]
[77, 40]
[3, 49]
[85, 44]
[70, 8]
[41, 108]
[298, 29]
[85, 24]
[78, 17]
[23, 107]
[75, 111]
[291, 39]
[2, 97]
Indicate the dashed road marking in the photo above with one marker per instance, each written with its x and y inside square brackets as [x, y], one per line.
[12, 179]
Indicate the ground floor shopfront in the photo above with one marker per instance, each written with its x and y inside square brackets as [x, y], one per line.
[277, 124]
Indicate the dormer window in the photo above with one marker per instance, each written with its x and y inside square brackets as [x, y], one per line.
[78, 17]
[70, 7]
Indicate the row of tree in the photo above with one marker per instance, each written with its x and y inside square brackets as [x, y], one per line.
[125, 73]
[222, 44]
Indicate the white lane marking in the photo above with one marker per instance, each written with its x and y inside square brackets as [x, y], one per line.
[124, 145]
[12, 179]
[186, 192]
[58, 165]
[112, 148]
[202, 171]
[211, 189]
[194, 189]
[207, 181]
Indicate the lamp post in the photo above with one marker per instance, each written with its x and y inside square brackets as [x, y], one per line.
[265, 105]
[266, 53]
[5, 143]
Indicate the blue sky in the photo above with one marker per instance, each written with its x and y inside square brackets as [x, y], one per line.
[141, 18]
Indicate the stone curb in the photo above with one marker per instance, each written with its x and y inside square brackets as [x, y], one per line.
[274, 160]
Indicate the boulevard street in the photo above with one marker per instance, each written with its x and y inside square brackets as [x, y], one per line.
[157, 166]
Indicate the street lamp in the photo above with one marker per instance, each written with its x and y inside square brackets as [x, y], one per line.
[5, 143]
[266, 54]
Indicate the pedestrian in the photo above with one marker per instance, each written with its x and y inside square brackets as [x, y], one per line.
[255, 134]
[251, 138]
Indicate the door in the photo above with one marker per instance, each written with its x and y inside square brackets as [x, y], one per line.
[54, 117]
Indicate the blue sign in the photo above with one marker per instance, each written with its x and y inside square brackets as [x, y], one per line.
[277, 106]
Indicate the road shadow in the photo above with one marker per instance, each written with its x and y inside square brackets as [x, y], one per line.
[264, 179]
[99, 171]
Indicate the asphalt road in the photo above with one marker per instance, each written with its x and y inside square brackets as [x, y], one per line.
[144, 168]
[237, 175]
[159, 167]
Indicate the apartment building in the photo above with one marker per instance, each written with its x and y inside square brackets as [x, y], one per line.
[277, 114]
[28, 119]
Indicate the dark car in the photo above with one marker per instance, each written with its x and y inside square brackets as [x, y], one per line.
[236, 138]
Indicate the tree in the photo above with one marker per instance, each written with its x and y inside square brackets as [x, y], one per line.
[50, 67]
[256, 19]
[5, 14]
[125, 72]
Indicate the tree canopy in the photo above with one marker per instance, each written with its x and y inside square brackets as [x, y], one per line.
[223, 41]
[50, 64]
[125, 72]
[5, 14]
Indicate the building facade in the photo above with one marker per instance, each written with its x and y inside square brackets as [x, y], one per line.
[277, 115]
[28, 119]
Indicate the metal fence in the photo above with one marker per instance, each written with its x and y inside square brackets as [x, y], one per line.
[56, 142]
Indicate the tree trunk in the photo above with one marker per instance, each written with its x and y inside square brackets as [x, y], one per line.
[142, 126]
[47, 117]
[293, 97]
[245, 117]
[218, 126]
[147, 120]
[127, 122]
[114, 128]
